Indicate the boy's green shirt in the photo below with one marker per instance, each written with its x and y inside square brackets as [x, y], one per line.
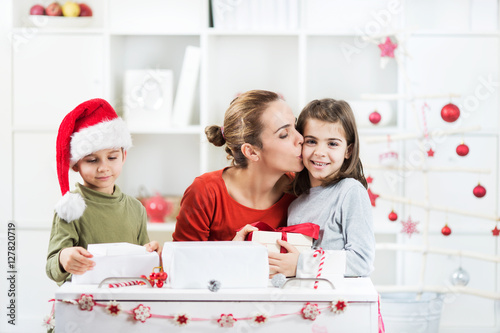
[107, 219]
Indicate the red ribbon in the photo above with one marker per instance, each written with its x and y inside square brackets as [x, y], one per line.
[307, 229]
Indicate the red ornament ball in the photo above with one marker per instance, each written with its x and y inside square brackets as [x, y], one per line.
[462, 149]
[375, 117]
[479, 191]
[446, 230]
[450, 112]
[393, 216]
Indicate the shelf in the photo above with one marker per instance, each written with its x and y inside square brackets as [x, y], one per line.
[154, 33]
[163, 227]
[63, 31]
[432, 33]
[223, 32]
[195, 129]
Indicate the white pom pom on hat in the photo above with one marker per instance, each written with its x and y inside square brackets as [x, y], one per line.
[91, 126]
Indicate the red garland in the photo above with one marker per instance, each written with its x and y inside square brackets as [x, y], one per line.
[226, 320]
[339, 307]
[86, 302]
[142, 312]
[310, 311]
[182, 319]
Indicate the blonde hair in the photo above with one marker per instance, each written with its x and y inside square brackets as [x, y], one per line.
[332, 111]
[242, 124]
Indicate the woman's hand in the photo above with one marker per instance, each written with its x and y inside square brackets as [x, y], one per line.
[242, 234]
[75, 260]
[284, 263]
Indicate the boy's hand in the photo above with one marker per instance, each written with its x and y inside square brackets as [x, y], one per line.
[284, 263]
[75, 260]
[153, 246]
[242, 234]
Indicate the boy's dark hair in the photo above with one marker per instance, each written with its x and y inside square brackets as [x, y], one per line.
[332, 111]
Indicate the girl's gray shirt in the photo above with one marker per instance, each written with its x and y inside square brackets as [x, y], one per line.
[344, 213]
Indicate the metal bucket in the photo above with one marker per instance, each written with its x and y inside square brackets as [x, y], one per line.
[406, 313]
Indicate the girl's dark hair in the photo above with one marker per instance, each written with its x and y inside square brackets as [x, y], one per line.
[242, 124]
[332, 111]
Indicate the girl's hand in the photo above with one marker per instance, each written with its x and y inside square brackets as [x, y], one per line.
[75, 260]
[242, 234]
[284, 263]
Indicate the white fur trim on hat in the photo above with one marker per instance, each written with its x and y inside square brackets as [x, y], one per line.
[70, 207]
[104, 135]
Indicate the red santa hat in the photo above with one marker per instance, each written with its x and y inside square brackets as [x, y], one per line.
[90, 127]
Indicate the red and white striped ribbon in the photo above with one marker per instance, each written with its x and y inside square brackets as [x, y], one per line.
[320, 252]
[126, 284]
[426, 131]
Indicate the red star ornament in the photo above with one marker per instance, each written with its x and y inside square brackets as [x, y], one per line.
[387, 48]
[495, 231]
[369, 179]
[260, 318]
[338, 306]
[113, 308]
[409, 227]
[372, 196]
[182, 319]
[430, 152]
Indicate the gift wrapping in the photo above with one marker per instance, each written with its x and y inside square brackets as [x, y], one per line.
[192, 265]
[301, 236]
[118, 260]
[269, 238]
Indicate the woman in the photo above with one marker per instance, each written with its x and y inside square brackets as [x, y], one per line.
[263, 145]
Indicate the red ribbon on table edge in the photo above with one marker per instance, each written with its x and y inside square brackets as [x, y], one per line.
[307, 229]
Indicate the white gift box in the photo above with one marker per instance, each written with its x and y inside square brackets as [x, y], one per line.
[118, 260]
[334, 266]
[269, 238]
[192, 265]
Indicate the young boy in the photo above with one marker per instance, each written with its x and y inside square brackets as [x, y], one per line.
[93, 141]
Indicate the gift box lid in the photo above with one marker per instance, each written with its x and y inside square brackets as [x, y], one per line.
[270, 237]
[115, 249]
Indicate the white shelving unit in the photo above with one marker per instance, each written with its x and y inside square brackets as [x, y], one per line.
[447, 50]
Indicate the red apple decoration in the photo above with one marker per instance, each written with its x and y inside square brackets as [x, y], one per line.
[479, 191]
[37, 10]
[393, 216]
[374, 117]
[85, 10]
[54, 9]
[462, 149]
[450, 112]
[446, 230]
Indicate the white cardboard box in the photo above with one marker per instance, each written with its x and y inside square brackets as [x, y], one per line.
[269, 238]
[234, 264]
[118, 260]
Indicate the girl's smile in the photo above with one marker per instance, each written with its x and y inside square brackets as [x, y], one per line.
[324, 149]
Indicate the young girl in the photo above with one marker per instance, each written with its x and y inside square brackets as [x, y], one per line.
[332, 187]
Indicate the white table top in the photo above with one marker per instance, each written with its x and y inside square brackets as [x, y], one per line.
[353, 289]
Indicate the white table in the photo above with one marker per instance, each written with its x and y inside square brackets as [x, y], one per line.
[361, 314]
